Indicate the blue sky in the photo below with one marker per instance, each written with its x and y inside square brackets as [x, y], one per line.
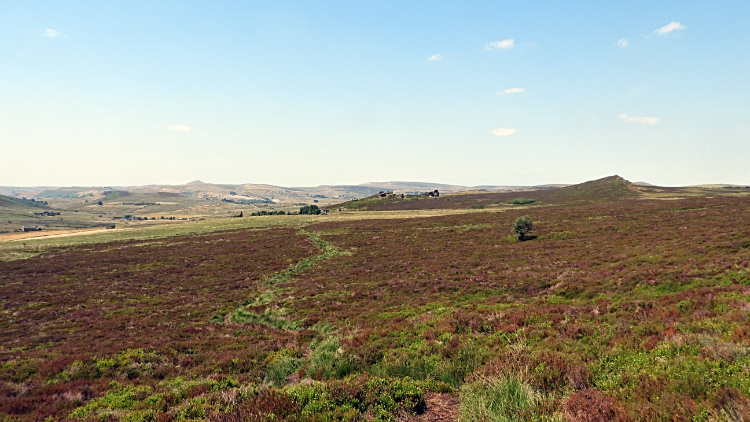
[307, 93]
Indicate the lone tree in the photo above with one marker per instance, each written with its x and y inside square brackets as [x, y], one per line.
[523, 226]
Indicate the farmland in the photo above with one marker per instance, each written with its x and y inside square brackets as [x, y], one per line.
[628, 304]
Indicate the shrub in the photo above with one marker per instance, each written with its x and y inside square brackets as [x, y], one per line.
[589, 405]
[271, 405]
[451, 366]
[523, 226]
[521, 201]
[353, 397]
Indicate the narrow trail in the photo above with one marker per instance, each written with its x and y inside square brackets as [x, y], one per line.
[275, 317]
[440, 407]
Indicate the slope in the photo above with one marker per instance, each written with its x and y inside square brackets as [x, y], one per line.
[612, 188]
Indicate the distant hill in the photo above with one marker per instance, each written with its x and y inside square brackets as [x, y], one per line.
[612, 188]
[721, 186]
[8, 202]
[605, 189]
[249, 193]
[238, 192]
[414, 186]
[425, 187]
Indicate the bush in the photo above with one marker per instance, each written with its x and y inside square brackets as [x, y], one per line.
[589, 405]
[523, 226]
[451, 366]
[354, 397]
[263, 407]
[521, 201]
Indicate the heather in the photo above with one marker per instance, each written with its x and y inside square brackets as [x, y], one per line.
[630, 309]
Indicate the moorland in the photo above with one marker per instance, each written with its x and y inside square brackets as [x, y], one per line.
[59, 210]
[628, 303]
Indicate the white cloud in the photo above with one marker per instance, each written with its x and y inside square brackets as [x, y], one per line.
[511, 91]
[622, 42]
[179, 128]
[503, 45]
[504, 131]
[51, 33]
[436, 57]
[645, 120]
[672, 26]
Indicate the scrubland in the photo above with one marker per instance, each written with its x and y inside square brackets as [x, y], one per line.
[629, 309]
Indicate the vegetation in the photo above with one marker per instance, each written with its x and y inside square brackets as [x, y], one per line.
[523, 226]
[504, 399]
[310, 209]
[521, 201]
[600, 318]
[261, 213]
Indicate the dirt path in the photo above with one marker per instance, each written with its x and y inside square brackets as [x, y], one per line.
[60, 233]
[440, 408]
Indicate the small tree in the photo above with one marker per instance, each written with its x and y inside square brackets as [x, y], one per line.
[523, 226]
[100, 203]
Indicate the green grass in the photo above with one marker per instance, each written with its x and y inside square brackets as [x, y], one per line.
[504, 399]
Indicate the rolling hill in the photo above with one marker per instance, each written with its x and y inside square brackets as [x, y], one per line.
[612, 188]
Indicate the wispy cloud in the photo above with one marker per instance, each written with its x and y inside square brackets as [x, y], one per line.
[436, 57]
[622, 42]
[504, 131]
[503, 45]
[51, 33]
[511, 91]
[644, 120]
[672, 26]
[179, 128]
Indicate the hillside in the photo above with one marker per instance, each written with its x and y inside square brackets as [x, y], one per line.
[612, 188]
[622, 310]
[18, 212]
[10, 203]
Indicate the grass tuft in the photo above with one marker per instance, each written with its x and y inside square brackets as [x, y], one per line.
[505, 399]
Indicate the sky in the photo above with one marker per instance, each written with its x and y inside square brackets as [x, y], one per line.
[304, 93]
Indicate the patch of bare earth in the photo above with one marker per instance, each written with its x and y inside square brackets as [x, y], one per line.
[440, 408]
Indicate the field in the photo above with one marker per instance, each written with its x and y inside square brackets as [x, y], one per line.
[620, 307]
